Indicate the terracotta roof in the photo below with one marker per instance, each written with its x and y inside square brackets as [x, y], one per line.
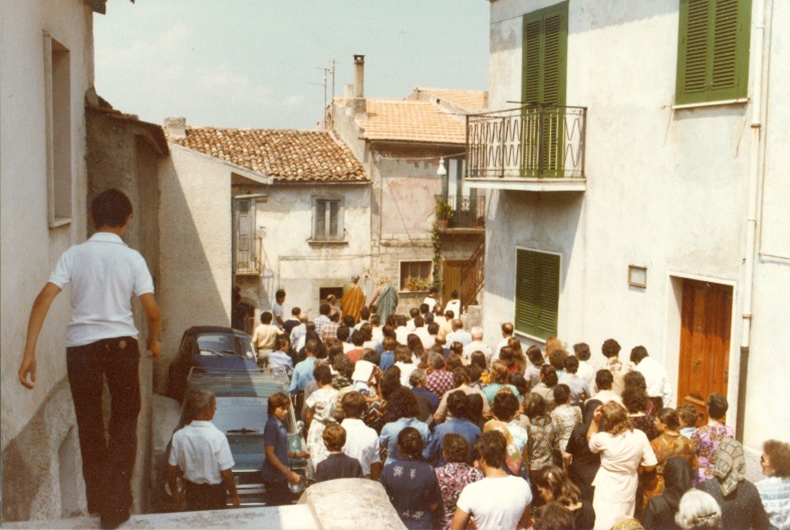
[411, 121]
[473, 100]
[285, 155]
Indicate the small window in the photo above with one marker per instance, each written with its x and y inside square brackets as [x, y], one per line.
[57, 79]
[328, 219]
[713, 50]
[415, 275]
[537, 293]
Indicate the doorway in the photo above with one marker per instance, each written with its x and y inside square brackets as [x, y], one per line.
[451, 278]
[706, 319]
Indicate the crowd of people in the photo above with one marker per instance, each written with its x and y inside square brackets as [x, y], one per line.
[459, 432]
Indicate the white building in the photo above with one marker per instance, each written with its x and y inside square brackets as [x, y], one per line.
[646, 199]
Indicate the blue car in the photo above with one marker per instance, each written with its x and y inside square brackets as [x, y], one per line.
[210, 348]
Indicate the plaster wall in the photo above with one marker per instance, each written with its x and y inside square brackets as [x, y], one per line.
[195, 261]
[293, 261]
[30, 250]
[666, 189]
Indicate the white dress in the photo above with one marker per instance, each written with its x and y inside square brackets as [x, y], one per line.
[617, 479]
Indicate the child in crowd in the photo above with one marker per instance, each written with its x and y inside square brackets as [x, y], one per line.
[688, 420]
[337, 464]
[276, 474]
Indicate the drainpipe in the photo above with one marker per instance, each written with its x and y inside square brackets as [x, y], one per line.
[755, 173]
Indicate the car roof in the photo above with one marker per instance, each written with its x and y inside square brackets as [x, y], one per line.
[214, 329]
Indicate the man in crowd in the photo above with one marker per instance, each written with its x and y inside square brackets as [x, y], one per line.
[277, 308]
[264, 336]
[658, 388]
[459, 334]
[477, 344]
[323, 317]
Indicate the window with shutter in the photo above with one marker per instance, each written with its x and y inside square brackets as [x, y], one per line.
[537, 293]
[544, 61]
[328, 219]
[713, 50]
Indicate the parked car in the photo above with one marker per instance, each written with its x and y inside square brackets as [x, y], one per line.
[242, 413]
[210, 348]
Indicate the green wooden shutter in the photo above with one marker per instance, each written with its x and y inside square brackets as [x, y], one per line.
[544, 50]
[713, 50]
[537, 293]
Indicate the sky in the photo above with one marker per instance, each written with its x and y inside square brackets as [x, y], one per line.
[259, 63]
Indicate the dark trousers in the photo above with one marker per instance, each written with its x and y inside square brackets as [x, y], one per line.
[278, 494]
[205, 496]
[107, 466]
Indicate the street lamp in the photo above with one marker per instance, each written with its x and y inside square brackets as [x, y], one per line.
[442, 174]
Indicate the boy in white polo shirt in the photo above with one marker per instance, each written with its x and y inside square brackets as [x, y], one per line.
[202, 453]
[101, 341]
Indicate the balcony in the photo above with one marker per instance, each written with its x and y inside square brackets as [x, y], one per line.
[455, 213]
[532, 148]
[249, 251]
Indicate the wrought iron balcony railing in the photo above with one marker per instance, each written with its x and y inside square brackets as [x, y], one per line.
[531, 141]
[461, 212]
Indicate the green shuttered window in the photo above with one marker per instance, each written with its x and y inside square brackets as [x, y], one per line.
[713, 50]
[544, 52]
[537, 293]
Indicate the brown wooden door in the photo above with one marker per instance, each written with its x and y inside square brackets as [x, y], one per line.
[706, 317]
[451, 278]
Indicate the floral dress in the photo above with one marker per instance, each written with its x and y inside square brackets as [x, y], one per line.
[453, 478]
[322, 401]
[706, 439]
[665, 447]
[544, 439]
[566, 417]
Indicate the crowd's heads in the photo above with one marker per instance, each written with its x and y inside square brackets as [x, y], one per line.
[548, 375]
[505, 406]
[491, 446]
[610, 348]
[506, 355]
[457, 324]
[582, 351]
[414, 312]
[364, 313]
[688, 415]
[324, 309]
[372, 356]
[457, 348]
[455, 448]
[478, 359]
[458, 404]
[535, 356]
[433, 328]
[520, 382]
[498, 372]
[348, 321]
[604, 379]
[389, 343]
[282, 343]
[436, 360]
[554, 485]
[614, 418]
[461, 376]
[424, 308]
[635, 379]
[507, 329]
[322, 374]
[415, 344]
[553, 516]
[697, 511]
[342, 365]
[311, 346]
[266, 317]
[390, 382]
[410, 442]
[334, 437]
[776, 459]
[354, 405]
[280, 296]
[571, 364]
[534, 405]
[562, 394]
[557, 359]
[449, 315]
[417, 377]
[476, 332]
[454, 294]
[403, 354]
[111, 208]
[717, 406]
[197, 401]
[296, 312]
[669, 417]
[454, 361]
[403, 403]
[278, 400]
[637, 354]
[635, 400]
[433, 291]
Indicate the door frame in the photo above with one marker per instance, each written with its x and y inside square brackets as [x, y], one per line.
[674, 322]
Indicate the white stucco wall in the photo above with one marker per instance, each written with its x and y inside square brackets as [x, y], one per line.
[292, 261]
[666, 189]
[195, 229]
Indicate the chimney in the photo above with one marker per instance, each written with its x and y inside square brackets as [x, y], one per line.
[359, 106]
[176, 127]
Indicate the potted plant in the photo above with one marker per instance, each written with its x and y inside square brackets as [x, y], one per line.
[444, 212]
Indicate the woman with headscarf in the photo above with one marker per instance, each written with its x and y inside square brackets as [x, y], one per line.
[584, 463]
[739, 499]
[660, 511]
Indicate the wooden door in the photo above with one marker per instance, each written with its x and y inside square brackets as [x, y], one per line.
[706, 317]
[451, 278]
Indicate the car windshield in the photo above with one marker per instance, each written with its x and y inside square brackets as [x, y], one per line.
[242, 415]
[225, 344]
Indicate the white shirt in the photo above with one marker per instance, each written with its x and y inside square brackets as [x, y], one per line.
[430, 301]
[462, 336]
[105, 274]
[201, 451]
[278, 311]
[455, 307]
[605, 396]
[587, 372]
[477, 345]
[362, 443]
[402, 334]
[496, 502]
[425, 337]
[657, 380]
[495, 356]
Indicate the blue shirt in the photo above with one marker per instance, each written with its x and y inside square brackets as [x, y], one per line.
[275, 434]
[462, 426]
[432, 399]
[303, 374]
[387, 360]
[280, 358]
[389, 438]
[412, 488]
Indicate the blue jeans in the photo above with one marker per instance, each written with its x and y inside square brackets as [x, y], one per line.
[107, 466]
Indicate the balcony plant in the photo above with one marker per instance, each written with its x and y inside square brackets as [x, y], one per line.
[444, 212]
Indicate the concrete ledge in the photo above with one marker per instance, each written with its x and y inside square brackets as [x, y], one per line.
[352, 503]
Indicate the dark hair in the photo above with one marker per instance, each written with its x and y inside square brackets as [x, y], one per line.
[266, 317]
[342, 364]
[433, 290]
[498, 372]
[557, 359]
[403, 354]
[778, 456]
[415, 344]
[455, 448]
[334, 437]
[280, 341]
[505, 406]
[688, 415]
[604, 379]
[562, 394]
[110, 209]
[296, 312]
[507, 328]
[342, 333]
[636, 379]
[324, 309]
[634, 399]
[414, 312]
[520, 382]
[458, 404]
[433, 328]
[389, 344]
[553, 516]
[478, 358]
[419, 322]
[375, 319]
[571, 364]
[491, 446]
[457, 348]
[461, 376]
[669, 417]
[449, 314]
[535, 356]
[364, 313]
[354, 405]
[453, 361]
[357, 339]
[475, 407]
[548, 375]
[278, 400]
[279, 294]
[637, 354]
[403, 404]
[390, 382]
[424, 308]
[562, 489]
[610, 348]
[717, 406]
[410, 442]
[534, 405]
[372, 356]
[348, 321]
[582, 351]
[506, 355]
[454, 294]
[322, 374]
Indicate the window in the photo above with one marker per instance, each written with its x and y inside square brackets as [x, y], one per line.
[415, 275]
[328, 219]
[713, 50]
[537, 293]
[57, 79]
